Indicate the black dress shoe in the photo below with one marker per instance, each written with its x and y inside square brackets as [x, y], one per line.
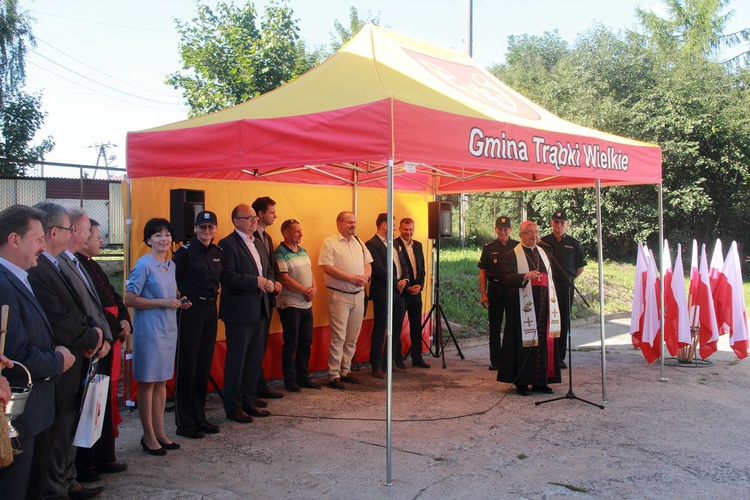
[523, 390]
[168, 446]
[303, 382]
[336, 384]
[159, 452]
[292, 387]
[400, 364]
[420, 364]
[493, 367]
[111, 467]
[208, 427]
[563, 365]
[239, 415]
[192, 432]
[254, 411]
[350, 379]
[543, 388]
[78, 492]
[268, 393]
[260, 403]
[88, 476]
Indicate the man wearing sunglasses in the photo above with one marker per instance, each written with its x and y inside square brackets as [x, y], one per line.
[198, 269]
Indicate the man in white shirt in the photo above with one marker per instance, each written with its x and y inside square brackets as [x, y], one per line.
[346, 263]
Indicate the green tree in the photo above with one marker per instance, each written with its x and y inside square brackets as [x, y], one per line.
[20, 112]
[345, 33]
[229, 59]
[693, 108]
[694, 29]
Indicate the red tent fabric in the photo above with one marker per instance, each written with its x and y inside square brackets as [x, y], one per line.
[448, 125]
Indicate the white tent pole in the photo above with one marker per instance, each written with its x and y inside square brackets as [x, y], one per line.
[661, 286]
[128, 357]
[389, 335]
[600, 258]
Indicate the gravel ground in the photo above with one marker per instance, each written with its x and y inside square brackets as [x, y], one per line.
[457, 433]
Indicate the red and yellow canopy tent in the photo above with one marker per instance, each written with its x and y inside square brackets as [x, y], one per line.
[324, 142]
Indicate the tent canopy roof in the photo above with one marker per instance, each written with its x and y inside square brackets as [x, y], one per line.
[448, 125]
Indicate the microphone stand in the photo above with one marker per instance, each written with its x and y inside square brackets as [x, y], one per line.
[570, 284]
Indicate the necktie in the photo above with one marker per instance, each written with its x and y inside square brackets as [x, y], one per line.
[83, 275]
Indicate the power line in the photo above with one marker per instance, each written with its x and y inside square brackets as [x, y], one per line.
[99, 71]
[103, 24]
[97, 82]
[99, 92]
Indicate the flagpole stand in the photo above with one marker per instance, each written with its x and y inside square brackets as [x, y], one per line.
[683, 359]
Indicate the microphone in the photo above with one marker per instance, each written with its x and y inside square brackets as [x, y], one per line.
[543, 244]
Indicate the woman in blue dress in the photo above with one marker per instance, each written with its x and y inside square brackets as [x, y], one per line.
[152, 292]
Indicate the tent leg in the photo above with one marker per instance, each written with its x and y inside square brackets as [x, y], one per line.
[600, 258]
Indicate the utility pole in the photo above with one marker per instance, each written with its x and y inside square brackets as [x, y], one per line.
[102, 150]
[463, 205]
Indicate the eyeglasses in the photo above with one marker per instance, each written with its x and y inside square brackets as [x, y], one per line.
[207, 227]
[64, 228]
[285, 225]
[248, 217]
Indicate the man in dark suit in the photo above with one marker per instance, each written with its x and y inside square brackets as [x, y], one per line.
[244, 309]
[74, 328]
[412, 255]
[265, 209]
[29, 341]
[378, 247]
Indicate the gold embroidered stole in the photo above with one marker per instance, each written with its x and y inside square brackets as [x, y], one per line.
[526, 302]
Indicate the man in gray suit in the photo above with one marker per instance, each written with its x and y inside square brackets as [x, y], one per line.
[29, 341]
[77, 329]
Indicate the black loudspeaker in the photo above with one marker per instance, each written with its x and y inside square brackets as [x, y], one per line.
[184, 207]
[439, 219]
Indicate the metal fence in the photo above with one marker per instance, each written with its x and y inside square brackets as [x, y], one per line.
[101, 199]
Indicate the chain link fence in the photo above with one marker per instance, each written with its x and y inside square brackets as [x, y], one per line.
[74, 186]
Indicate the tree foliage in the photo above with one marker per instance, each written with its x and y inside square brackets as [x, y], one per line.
[694, 29]
[625, 83]
[343, 34]
[230, 56]
[20, 112]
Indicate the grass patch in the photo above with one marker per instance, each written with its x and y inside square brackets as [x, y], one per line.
[459, 290]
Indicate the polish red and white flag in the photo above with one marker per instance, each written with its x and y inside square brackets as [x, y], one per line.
[676, 324]
[639, 299]
[650, 337]
[730, 297]
[718, 279]
[702, 314]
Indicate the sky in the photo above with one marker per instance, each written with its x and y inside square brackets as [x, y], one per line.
[101, 64]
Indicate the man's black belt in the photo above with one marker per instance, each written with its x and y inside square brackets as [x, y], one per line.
[342, 291]
[195, 298]
[495, 280]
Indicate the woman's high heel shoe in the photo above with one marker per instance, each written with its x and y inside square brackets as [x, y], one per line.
[158, 452]
[168, 446]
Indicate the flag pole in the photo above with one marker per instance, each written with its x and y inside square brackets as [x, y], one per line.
[662, 378]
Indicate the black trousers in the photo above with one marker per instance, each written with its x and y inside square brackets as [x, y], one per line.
[243, 363]
[379, 327]
[62, 453]
[195, 352]
[297, 326]
[498, 302]
[413, 306]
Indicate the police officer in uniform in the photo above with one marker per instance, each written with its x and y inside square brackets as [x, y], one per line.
[198, 268]
[568, 254]
[494, 296]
